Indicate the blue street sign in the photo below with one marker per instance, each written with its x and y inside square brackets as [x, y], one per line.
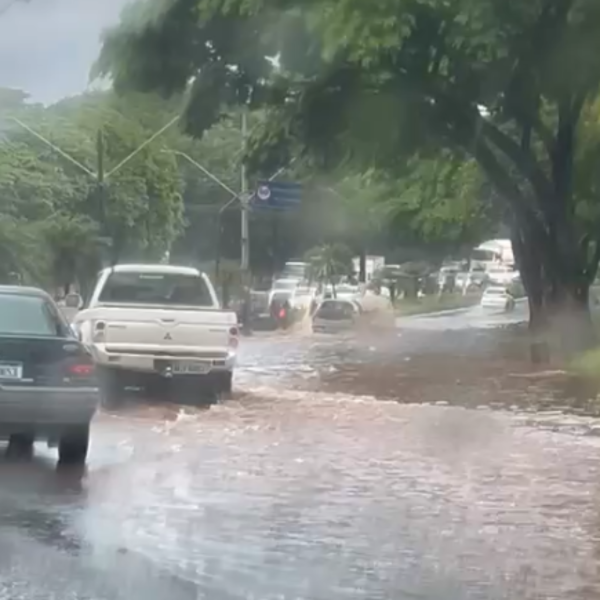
[277, 195]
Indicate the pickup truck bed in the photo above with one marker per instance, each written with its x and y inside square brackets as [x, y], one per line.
[149, 340]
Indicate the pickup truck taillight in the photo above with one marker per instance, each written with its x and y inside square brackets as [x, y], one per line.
[234, 337]
[99, 330]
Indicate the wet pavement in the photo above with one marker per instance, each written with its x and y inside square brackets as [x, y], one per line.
[343, 468]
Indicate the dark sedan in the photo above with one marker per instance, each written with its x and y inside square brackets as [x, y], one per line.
[48, 387]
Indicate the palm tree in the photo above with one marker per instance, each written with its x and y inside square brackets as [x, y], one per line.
[326, 264]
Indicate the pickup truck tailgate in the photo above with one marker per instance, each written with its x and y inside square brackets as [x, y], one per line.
[179, 331]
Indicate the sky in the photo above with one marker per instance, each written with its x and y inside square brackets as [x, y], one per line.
[48, 46]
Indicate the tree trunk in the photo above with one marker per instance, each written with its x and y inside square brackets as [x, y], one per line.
[559, 313]
[569, 316]
[562, 320]
[529, 265]
[362, 266]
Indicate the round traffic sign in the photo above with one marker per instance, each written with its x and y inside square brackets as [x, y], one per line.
[263, 192]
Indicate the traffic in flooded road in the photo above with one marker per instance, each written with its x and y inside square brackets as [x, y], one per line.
[341, 469]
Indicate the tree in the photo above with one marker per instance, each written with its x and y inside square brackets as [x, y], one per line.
[140, 208]
[508, 84]
[327, 264]
[63, 219]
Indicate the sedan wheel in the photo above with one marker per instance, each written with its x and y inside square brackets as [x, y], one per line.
[112, 390]
[73, 445]
[20, 446]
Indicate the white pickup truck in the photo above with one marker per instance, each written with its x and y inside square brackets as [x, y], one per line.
[147, 323]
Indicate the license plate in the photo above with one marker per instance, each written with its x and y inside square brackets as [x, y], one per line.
[11, 371]
[190, 368]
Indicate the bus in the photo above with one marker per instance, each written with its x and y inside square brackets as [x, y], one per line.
[493, 253]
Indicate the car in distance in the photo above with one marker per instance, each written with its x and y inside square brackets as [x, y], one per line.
[48, 387]
[498, 297]
[336, 316]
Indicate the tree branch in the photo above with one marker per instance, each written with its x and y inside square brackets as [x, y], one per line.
[522, 160]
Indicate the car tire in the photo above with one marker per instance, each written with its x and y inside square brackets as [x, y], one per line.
[112, 391]
[223, 384]
[20, 446]
[73, 445]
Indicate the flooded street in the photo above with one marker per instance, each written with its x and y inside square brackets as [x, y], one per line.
[342, 469]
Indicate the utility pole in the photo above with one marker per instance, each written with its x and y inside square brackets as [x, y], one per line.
[245, 213]
[100, 185]
[100, 175]
[243, 197]
[235, 197]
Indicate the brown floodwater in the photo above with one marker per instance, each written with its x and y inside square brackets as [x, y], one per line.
[428, 463]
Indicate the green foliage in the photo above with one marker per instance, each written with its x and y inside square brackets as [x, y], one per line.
[441, 200]
[336, 118]
[51, 208]
[74, 248]
[506, 85]
[328, 263]
[56, 226]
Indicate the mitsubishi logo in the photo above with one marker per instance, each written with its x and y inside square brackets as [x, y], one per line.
[168, 336]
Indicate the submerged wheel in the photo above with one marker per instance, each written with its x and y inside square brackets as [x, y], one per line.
[20, 445]
[112, 391]
[73, 445]
[222, 384]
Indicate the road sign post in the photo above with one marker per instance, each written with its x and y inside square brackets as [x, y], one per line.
[277, 195]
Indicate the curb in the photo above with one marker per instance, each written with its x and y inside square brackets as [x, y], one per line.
[451, 311]
[437, 313]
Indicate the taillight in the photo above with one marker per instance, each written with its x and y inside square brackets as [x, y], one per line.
[81, 370]
[282, 313]
[234, 333]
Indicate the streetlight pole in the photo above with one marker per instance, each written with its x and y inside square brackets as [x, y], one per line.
[100, 175]
[101, 189]
[245, 214]
[235, 196]
[243, 197]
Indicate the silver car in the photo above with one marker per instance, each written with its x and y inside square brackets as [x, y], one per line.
[336, 315]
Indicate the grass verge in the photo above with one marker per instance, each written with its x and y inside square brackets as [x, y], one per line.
[435, 303]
